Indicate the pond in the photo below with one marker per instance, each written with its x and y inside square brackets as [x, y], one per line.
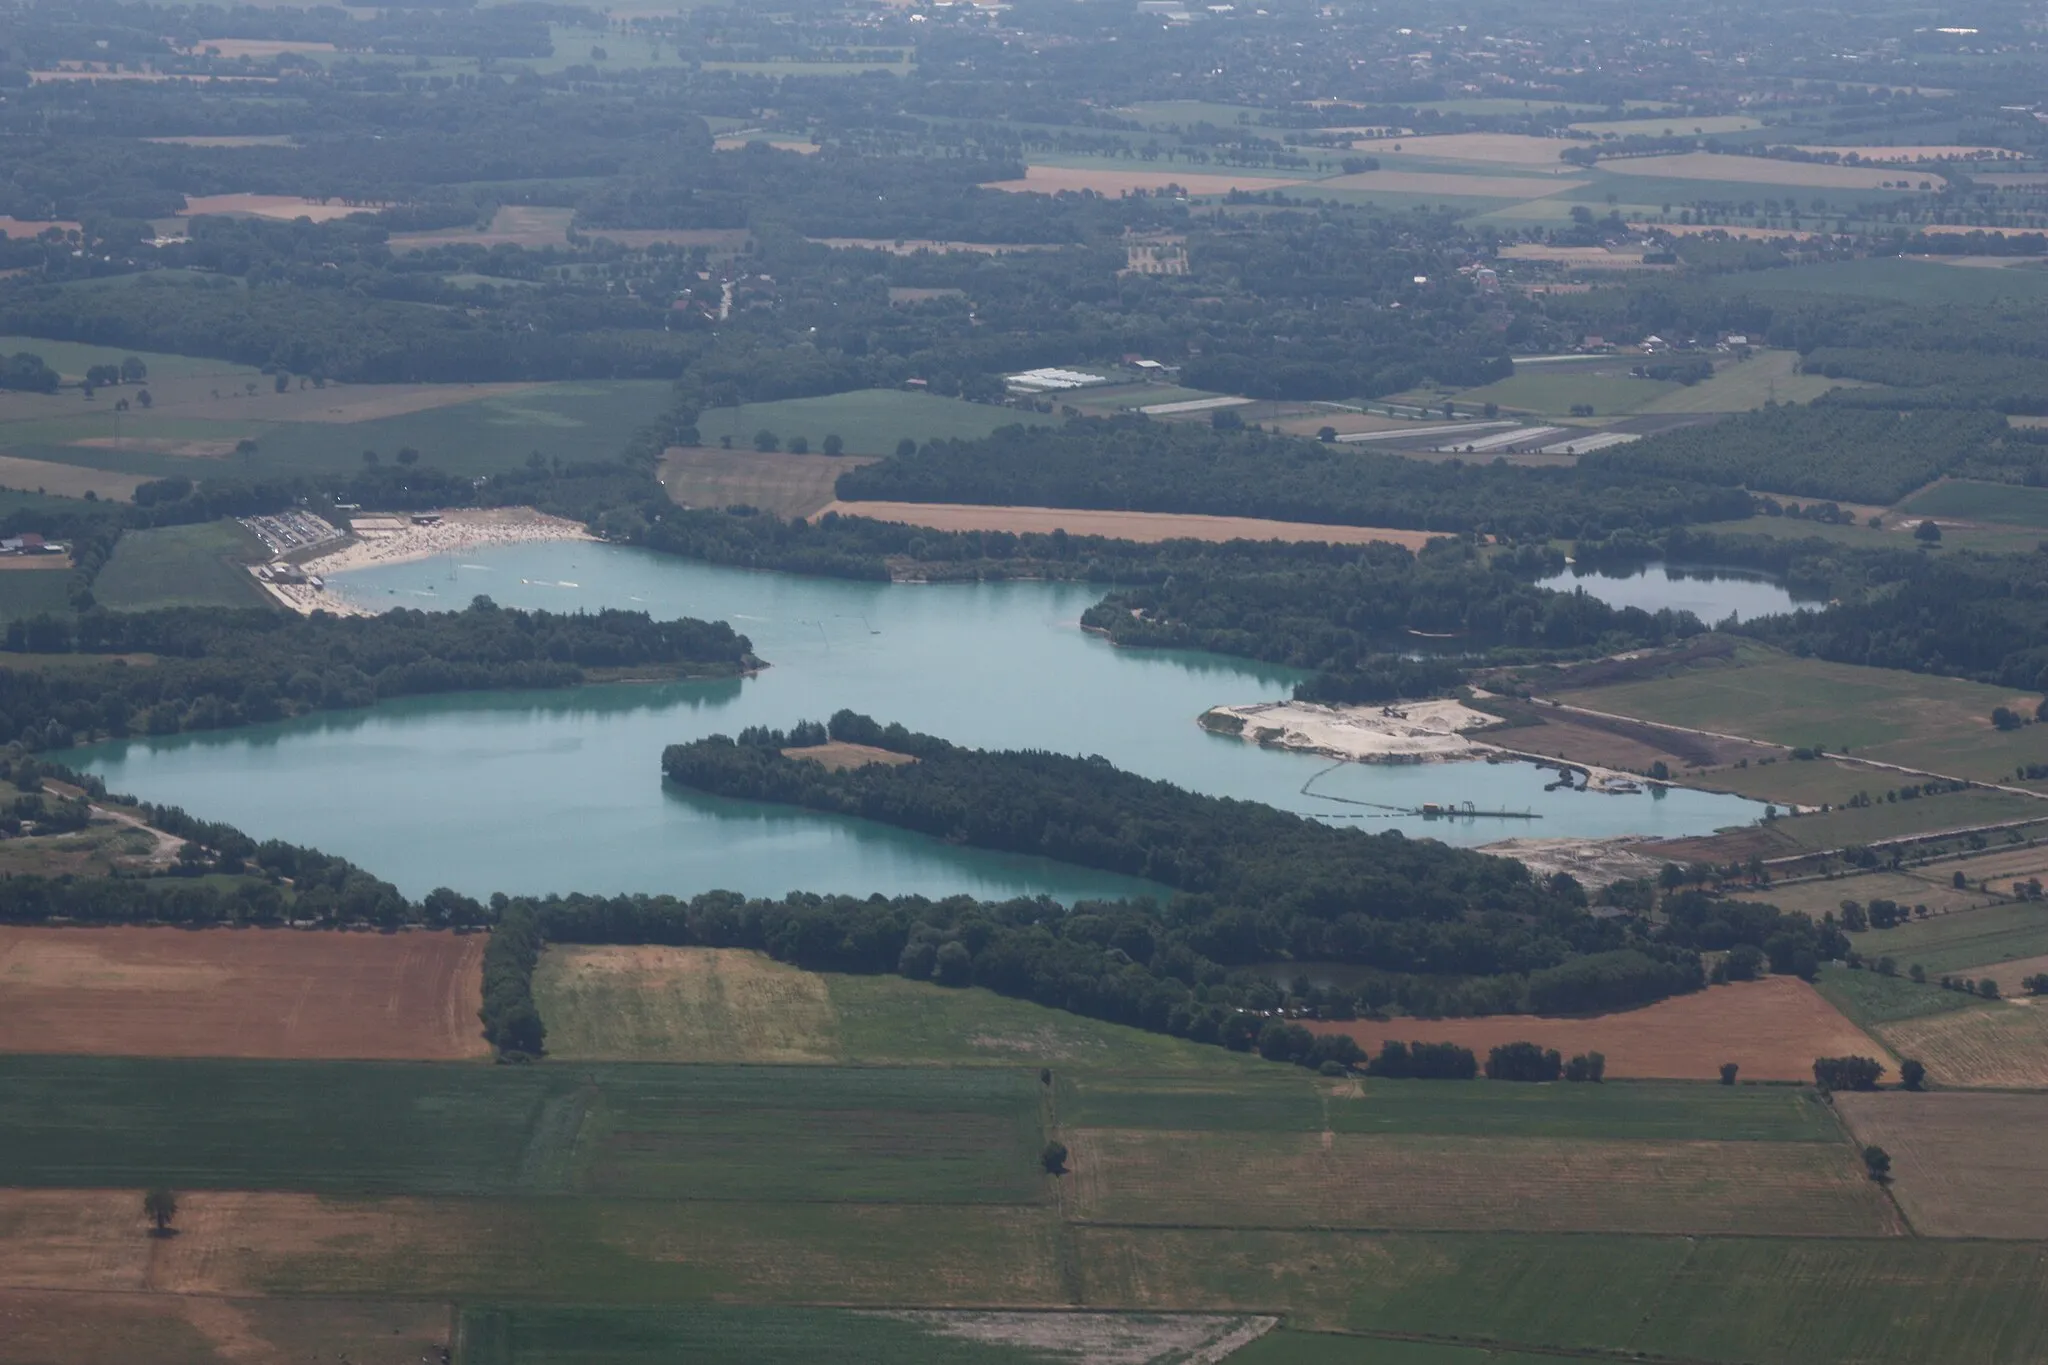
[562, 791]
[1709, 593]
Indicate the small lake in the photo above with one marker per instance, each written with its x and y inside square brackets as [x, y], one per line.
[562, 791]
[1708, 593]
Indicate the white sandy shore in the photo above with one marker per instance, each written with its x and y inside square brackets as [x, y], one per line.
[460, 531]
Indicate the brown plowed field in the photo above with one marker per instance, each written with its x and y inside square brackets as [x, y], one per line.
[53, 1327]
[1772, 1029]
[1147, 527]
[1439, 1183]
[1963, 1165]
[240, 993]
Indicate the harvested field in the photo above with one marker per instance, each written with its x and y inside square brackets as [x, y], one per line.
[19, 227]
[1144, 527]
[2008, 975]
[1579, 257]
[1427, 1183]
[2000, 1047]
[787, 485]
[838, 755]
[1504, 149]
[665, 1004]
[1427, 182]
[1963, 1165]
[281, 206]
[910, 246]
[240, 993]
[66, 480]
[1056, 179]
[158, 445]
[1757, 170]
[257, 48]
[801, 146]
[34, 563]
[1772, 1029]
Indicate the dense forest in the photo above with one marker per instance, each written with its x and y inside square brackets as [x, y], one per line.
[209, 668]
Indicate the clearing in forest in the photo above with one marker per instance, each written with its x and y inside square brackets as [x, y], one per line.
[1772, 1029]
[1428, 1182]
[1144, 527]
[134, 991]
[787, 485]
[651, 1003]
[1963, 1165]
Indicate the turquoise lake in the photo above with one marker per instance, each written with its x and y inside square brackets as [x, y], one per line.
[562, 791]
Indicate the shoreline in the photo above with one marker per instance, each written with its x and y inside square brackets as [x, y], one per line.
[459, 531]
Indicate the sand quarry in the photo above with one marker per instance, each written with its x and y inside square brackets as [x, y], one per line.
[1412, 732]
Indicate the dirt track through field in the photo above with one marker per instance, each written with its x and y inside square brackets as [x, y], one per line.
[1772, 1029]
[240, 993]
[1145, 527]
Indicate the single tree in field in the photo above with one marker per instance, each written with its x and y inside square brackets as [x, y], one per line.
[1912, 1074]
[160, 1206]
[834, 445]
[1927, 533]
[1054, 1158]
[1878, 1162]
[1728, 1070]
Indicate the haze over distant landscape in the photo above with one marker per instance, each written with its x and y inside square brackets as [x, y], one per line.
[956, 683]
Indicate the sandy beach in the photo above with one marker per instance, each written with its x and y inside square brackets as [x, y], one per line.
[460, 531]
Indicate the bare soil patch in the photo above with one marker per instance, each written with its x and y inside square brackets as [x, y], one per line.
[660, 1004]
[281, 206]
[240, 993]
[33, 563]
[839, 755]
[1101, 1338]
[2001, 1047]
[1145, 527]
[1963, 1165]
[1772, 1029]
[1448, 185]
[1502, 149]
[1759, 170]
[1055, 179]
[787, 485]
[1434, 1182]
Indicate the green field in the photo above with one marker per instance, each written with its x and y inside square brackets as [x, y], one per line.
[1992, 540]
[1968, 938]
[1555, 390]
[870, 421]
[181, 566]
[526, 1335]
[1918, 720]
[1895, 278]
[1870, 999]
[1631, 1110]
[191, 432]
[31, 592]
[1744, 385]
[1766, 1301]
[73, 358]
[2003, 503]
[717, 1133]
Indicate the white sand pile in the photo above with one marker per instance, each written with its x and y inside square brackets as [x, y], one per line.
[1405, 732]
